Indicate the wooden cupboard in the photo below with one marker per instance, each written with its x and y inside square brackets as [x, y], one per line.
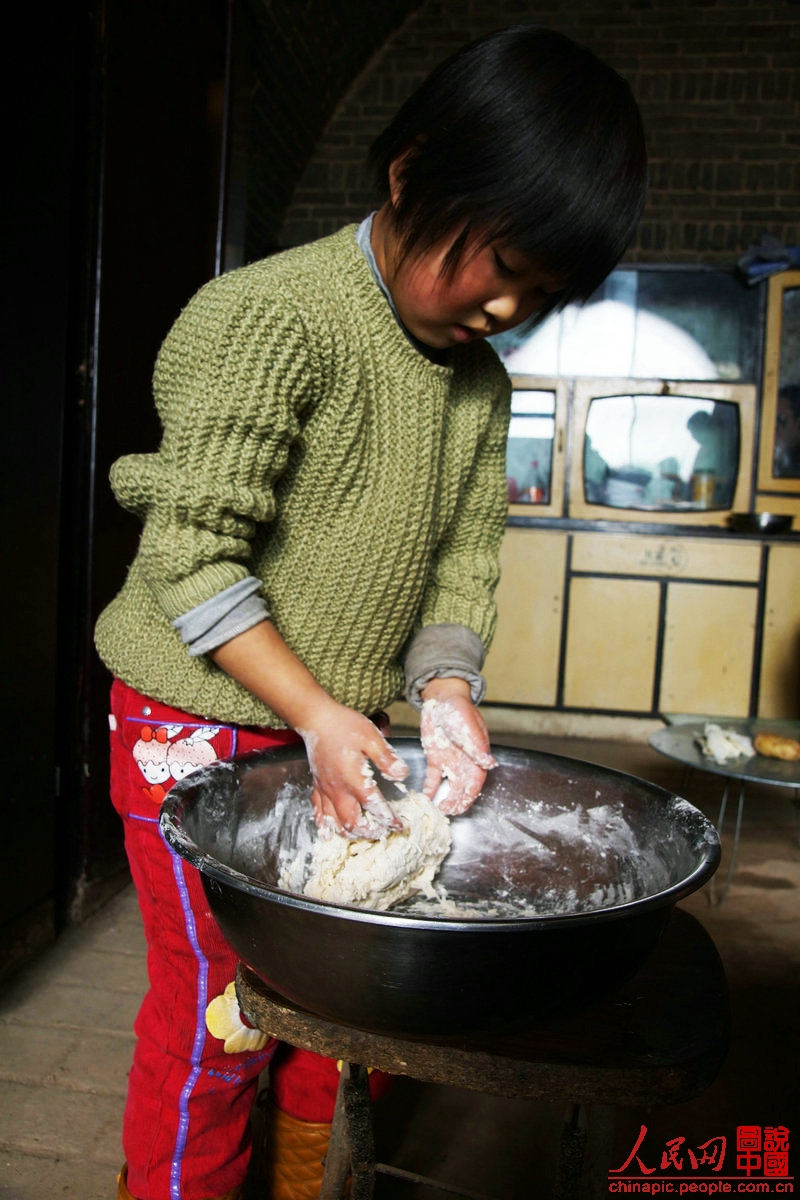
[641, 624]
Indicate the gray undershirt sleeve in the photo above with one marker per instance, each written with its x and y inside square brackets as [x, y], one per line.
[444, 652]
[222, 617]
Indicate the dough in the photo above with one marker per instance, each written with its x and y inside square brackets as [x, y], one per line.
[772, 745]
[724, 744]
[378, 874]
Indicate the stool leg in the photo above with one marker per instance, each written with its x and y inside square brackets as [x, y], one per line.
[352, 1142]
[587, 1136]
[570, 1153]
[358, 1108]
[337, 1160]
[601, 1119]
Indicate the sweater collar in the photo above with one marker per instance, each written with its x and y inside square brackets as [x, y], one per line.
[364, 242]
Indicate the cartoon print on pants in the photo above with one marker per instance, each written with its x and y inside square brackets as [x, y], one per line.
[187, 754]
[224, 1020]
[162, 756]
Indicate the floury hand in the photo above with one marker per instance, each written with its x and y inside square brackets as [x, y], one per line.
[456, 745]
[341, 749]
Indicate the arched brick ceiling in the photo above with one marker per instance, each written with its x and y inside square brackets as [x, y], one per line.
[293, 63]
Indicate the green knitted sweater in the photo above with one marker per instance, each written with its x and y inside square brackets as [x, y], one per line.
[307, 443]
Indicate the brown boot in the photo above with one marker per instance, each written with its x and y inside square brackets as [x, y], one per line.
[124, 1194]
[295, 1155]
[122, 1185]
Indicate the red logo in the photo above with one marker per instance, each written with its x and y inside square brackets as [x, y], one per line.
[763, 1151]
[758, 1152]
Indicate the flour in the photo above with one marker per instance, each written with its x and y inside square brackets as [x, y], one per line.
[378, 873]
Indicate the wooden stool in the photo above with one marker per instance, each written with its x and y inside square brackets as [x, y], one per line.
[659, 1040]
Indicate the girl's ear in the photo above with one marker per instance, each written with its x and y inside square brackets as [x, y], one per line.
[396, 172]
[396, 178]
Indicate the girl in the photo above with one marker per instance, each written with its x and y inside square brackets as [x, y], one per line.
[321, 526]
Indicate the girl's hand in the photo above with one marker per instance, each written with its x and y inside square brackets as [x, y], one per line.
[456, 744]
[342, 745]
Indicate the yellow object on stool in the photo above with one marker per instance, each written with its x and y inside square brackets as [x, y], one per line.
[124, 1194]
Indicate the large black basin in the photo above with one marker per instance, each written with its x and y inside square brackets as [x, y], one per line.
[579, 867]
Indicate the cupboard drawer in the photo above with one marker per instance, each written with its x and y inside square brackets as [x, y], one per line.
[709, 644]
[611, 644]
[688, 558]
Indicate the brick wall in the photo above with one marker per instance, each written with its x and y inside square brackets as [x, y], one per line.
[718, 82]
[292, 61]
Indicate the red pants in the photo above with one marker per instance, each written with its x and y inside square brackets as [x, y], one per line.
[186, 1126]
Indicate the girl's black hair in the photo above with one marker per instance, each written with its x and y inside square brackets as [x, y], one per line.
[522, 137]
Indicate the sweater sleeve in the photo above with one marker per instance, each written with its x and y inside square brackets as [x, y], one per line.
[442, 652]
[230, 383]
[466, 566]
[222, 617]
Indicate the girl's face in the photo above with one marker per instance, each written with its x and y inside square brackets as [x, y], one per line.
[492, 289]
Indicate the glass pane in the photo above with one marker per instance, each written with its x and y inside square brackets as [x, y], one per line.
[529, 455]
[712, 308]
[660, 453]
[786, 462]
[647, 323]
